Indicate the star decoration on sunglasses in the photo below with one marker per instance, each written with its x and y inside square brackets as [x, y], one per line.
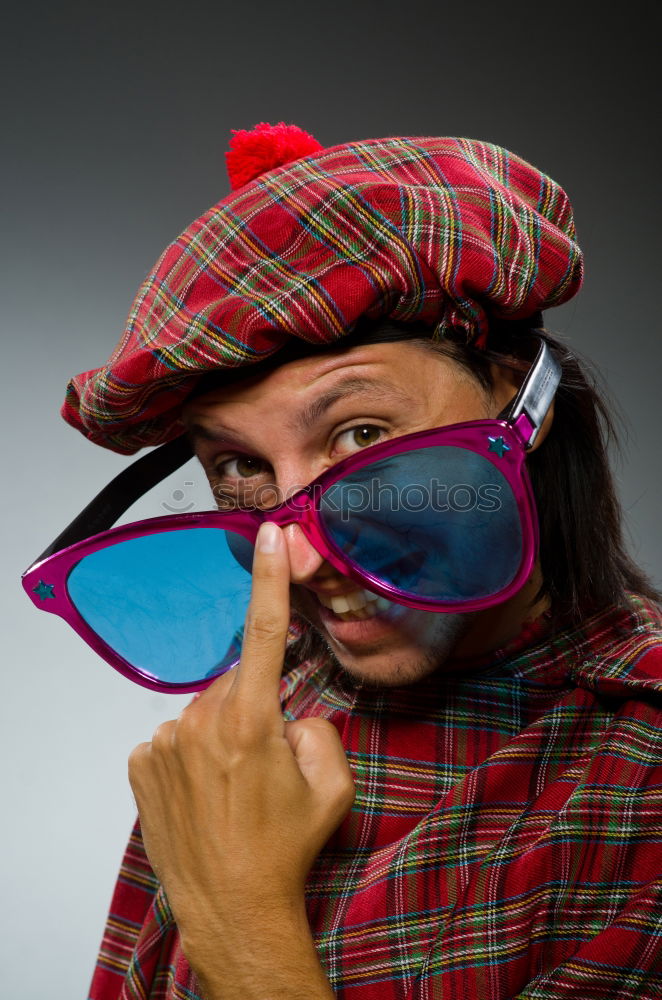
[497, 445]
[44, 590]
[114, 572]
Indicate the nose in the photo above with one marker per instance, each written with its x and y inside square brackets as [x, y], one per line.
[305, 561]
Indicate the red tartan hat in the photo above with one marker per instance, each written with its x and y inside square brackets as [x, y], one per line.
[443, 231]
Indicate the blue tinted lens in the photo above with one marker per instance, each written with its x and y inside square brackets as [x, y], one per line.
[172, 604]
[439, 522]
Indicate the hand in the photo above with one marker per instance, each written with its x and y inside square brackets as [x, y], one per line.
[235, 804]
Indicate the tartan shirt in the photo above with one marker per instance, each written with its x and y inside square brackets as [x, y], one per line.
[505, 841]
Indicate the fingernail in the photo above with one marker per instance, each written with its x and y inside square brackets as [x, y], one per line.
[268, 537]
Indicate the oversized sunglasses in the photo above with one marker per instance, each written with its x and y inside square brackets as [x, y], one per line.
[442, 520]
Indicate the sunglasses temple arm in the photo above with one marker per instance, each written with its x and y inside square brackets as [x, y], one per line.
[535, 395]
[122, 491]
[533, 400]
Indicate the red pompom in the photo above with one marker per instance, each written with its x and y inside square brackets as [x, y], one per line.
[253, 152]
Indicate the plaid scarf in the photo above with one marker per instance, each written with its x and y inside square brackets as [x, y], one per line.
[506, 839]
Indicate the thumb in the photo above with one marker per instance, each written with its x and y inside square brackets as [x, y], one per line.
[321, 758]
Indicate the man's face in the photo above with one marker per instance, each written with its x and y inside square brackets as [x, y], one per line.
[272, 435]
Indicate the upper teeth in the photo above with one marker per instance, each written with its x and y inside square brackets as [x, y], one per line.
[353, 601]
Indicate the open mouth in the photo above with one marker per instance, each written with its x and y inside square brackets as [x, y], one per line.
[357, 605]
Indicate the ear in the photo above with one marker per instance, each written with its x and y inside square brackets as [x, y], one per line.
[505, 386]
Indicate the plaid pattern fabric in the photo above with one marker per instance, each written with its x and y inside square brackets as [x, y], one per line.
[434, 230]
[506, 839]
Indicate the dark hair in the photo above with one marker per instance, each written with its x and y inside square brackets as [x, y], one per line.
[584, 562]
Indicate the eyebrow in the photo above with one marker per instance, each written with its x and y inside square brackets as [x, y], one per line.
[198, 432]
[312, 412]
[346, 387]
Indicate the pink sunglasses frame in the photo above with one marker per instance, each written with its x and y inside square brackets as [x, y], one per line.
[503, 442]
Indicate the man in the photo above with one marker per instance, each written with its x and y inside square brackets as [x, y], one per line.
[424, 804]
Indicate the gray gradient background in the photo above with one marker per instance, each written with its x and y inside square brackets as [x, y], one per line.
[117, 117]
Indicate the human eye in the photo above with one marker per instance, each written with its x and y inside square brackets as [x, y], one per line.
[239, 467]
[357, 437]
[238, 481]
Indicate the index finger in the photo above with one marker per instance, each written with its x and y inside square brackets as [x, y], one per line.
[260, 668]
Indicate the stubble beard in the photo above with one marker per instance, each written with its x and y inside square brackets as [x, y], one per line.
[422, 663]
[403, 670]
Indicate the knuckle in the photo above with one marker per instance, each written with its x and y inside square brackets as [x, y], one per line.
[137, 762]
[266, 570]
[135, 758]
[188, 722]
[263, 625]
[325, 730]
[342, 793]
[324, 726]
[219, 689]
[347, 792]
[342, 789]
[162, 737]
[241, 724]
